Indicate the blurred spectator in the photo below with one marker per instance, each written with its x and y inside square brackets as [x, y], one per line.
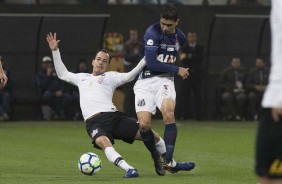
[95, 2]
[20, 1]
[80, 68]
[249, 2]
[144, 2]
[119, 1]
[232, 90]
[5, 94]
[256, 82]
[133, 52]
[191, 56]
[58, 2]
[157, 2]
[41, 2]
[193, 2]
[215, 2]
[113, 42]
[53, 91]
[174, 2]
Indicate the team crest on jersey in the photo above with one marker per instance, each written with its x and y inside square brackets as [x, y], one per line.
[101, 79]
[94, 132]
[166, 87]
[150, 42]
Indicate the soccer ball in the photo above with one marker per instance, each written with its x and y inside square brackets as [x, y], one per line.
[89, 163]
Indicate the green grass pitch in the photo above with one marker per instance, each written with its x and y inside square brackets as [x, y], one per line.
[47, 152]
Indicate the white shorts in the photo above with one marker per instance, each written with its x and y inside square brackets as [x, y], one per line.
[150, 92]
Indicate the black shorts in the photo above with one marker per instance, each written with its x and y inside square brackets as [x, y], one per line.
[114, 125]
[269, 147]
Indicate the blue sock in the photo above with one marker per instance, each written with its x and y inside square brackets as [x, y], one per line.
[149, 141]
[170, 134]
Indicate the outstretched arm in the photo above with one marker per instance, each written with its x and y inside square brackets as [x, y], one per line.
[127, 77]
[60, 68]
[273, 95]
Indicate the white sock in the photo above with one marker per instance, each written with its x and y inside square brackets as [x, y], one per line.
[173, 163]
[114, 156]
[160, 146]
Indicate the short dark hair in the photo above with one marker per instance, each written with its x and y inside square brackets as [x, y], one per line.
[170, 12]
[105, 51]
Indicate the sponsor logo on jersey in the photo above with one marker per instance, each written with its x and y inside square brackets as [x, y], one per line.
[150, 42]
[166, 58]
[162, 46]
[141, 103]
[94, 132]
[90, 83]
[170, 49]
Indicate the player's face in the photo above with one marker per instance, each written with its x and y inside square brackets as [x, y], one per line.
[168, 26]
[100, 63]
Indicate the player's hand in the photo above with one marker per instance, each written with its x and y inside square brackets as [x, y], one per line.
[3, 79]
[276, 113]
[183, 73]
[52, 41]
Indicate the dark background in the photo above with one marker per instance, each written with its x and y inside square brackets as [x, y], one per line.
[22, 38]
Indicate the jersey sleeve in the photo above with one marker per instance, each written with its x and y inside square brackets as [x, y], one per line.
[62, 71]
[122, 78]
[151, 40]
[273, 94]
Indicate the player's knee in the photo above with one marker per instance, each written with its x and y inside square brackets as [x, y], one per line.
[103, 142]
[168, 116]
[144, 125]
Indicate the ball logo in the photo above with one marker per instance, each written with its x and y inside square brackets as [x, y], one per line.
[150, 42]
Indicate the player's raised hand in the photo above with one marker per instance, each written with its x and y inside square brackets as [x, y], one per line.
[183, 72]
[52, 41]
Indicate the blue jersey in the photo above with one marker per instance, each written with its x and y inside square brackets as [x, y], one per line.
[161, 51]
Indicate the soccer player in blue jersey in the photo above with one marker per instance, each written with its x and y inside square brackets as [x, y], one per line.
[155, 87]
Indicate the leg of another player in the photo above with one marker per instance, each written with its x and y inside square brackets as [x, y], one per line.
[147, 136]
[159, 142]
[114, 157]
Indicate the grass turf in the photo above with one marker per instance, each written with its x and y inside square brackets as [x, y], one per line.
[47, 152]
